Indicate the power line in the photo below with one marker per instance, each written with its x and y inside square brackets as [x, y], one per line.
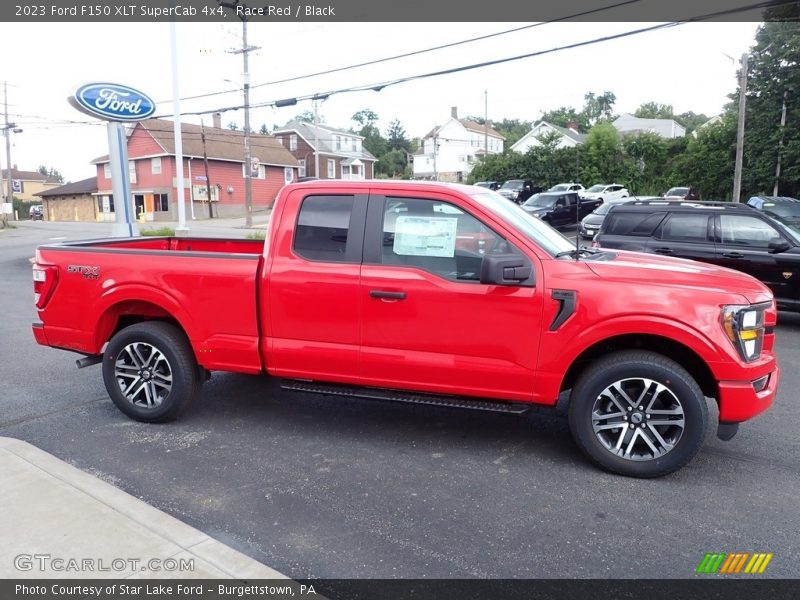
[381, 85]
[413, 53]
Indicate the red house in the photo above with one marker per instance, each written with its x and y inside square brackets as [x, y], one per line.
[152, 167]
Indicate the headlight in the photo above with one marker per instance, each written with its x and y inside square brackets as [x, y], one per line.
[744, 326]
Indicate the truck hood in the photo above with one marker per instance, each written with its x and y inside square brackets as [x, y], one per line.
[649, 269]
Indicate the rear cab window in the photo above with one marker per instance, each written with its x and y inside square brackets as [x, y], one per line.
[322, 230]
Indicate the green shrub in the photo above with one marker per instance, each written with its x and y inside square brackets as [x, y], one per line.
[161, 231]
[257, 235]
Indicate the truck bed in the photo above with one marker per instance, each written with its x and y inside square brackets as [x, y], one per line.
[207, 285]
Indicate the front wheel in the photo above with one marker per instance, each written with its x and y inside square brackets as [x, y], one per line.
[638, 413]
[150, 371]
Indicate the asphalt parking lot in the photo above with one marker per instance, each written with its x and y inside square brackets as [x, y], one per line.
[347, 488]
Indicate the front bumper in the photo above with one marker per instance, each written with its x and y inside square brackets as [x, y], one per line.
[739, 400]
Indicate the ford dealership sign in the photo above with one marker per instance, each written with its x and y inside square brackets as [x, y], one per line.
[113, 102]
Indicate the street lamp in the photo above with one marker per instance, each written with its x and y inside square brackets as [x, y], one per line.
[8, 129]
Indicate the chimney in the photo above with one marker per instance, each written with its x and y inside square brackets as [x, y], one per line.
[454, 112]
[573, 125]
[217, 118]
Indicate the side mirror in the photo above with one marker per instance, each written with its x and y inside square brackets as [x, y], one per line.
[507, 269]
[778, 245]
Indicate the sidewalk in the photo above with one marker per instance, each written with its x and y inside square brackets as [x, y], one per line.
[87, 528]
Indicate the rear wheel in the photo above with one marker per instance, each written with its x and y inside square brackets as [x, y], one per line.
[638, 413]
[150, 371]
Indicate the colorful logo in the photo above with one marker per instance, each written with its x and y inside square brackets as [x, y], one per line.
[113, 102]
[735, 563]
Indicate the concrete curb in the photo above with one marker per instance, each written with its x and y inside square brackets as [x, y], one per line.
[52, 508]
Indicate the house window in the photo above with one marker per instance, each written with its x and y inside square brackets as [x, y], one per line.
[132, 170]
[105, 204]
[161, 202]
[302, 169]
[107, 170]
[292, 142]
[260, 174]
[155, 165]
[288, 174]
[338, 142]
[331, 169]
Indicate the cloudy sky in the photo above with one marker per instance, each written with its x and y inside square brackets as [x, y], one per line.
[685, 66]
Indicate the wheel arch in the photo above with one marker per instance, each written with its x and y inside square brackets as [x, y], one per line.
[682, 354]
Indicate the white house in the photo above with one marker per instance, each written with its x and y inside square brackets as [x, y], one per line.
[666, 128]
[569, 137]
[449, 152]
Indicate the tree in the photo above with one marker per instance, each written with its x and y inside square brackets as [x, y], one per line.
[564, 116]
[373, 141]
[654, 110]
[774, 75]
[691, 120]
[601, 155]
[707, 162]
[598, 108]
[396, 137]
[233, 126]
[264, 130]
[512, 130]
[52, 173]
[307, 116]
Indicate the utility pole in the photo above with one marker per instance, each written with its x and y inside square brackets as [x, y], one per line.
[780, 144]
[737, 173]
[205, 162]
[316, 139]
[7, 129]
[485, 123]
[248, 169]
[435, 144]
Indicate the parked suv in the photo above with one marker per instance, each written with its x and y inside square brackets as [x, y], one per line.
[518, 190]
[36, 212]
[781, 207]
[605, 192]
[722, 233]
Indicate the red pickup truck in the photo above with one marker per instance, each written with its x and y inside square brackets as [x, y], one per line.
[423, 292]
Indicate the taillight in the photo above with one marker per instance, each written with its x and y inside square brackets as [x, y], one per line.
[44, 282]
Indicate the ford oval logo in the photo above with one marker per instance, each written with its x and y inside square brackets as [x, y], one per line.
[113, 102]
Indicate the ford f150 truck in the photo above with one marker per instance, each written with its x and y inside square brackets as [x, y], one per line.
[423, 292]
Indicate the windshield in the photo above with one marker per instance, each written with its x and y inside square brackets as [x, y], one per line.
[561, 187]
[678, 192]
[531, 227]
[541, 201]
[596, 188]
[602, 209]
[514, 184]
[790, 229]
[787, 210]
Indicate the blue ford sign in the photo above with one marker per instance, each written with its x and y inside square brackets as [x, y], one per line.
[113, 102]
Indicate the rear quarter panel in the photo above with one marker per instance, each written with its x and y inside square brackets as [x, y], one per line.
[212, 297]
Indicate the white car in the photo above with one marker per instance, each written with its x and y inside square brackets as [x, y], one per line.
[567, 187]
[605, 192]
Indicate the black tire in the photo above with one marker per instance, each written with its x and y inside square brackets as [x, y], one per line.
[155, 363]
[676, 395]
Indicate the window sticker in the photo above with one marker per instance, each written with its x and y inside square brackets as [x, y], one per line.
[425, 236]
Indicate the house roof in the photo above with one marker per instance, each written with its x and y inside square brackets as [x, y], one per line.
[469, 125]
[478, 128]
[27, 176]
[627, 123]
[324, 136]
[84, 186]
[221, 144]
[570, 133]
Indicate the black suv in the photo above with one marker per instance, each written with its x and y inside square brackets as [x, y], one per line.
[722, 233]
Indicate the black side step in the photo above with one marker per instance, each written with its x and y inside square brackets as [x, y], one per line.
[330, 389]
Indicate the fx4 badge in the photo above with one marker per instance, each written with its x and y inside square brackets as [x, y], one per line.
[787, 274]
[86, 271]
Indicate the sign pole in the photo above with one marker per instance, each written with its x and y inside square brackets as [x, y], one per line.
[120, 181]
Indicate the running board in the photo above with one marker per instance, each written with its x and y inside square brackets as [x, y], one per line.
[328, 389]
